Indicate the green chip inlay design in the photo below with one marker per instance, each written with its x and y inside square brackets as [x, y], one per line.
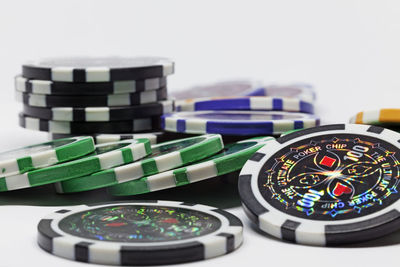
[70, 154]
[127, 155]
[25, 164]
[141, 186]
[3, 184]
[181, 177]
[147, 147]
[149, 166]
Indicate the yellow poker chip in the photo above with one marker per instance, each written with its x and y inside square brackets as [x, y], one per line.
[381, 116]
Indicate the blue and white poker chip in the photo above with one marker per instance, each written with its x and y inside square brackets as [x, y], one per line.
[246, 103]
[246, 123]
[301, 91]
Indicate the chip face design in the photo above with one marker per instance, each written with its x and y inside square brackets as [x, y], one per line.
[327, 177]
[326, 186]
[140, 232]
[139, 223]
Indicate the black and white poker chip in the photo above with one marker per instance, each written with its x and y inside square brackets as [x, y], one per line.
[93, 101]
[85, 70]
[325, 185]
[100, 113]
[42, 87]
[140, 233]
[82, 128]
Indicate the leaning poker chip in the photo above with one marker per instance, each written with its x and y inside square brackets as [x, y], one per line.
[44, 154]
[377, 117]
[41, 87]
[246, 103]
[166, 156]
[85, 70]
[140, 233]
[154, 137]
[105, 156]
[224, 88]
[92, 101]
[108, 138]
[100, 113]
[64, 127]
[250, 123]
[232, 158]
[302, 91]
[326, 185]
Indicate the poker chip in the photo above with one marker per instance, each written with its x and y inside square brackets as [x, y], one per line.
[100, 113]
[85, 70]
[246, 103]
[44, 154]
[79, 128]
[243, 123]
[140, 233]
[232, 158]
[247, 88]
[154, 137]
[327, 185]
[43, 87]
[224, 88]
[132, 99]
[302, 91]
[165, 156]
[104, 157]
[377, 117]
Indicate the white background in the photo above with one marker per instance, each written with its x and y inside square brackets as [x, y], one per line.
[349, 50]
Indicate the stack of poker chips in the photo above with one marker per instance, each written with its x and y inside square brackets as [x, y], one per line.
[242, 108]
[90, 96]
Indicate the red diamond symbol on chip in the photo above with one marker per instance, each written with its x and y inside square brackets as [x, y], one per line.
[327, 161]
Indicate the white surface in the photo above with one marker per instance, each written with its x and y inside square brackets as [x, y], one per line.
[350, 50]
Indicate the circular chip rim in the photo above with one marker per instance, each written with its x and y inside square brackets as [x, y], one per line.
[258, 210]
[87, 128]
[131, 99]
[78, 147]
[264, 103]
[196, 172]
[134, 150]
[92, 114]
[252, 86]
[307, 91]
[176, 122]
[109, 138]
[211, 145]
[159, 68]
[227, 238]
[44, 87]
[154, 137]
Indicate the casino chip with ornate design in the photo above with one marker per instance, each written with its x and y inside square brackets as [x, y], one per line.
[326, 185]
[140, 233]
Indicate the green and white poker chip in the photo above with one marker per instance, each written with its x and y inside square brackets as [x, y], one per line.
[105, 156]
[165, 156]
[231, 159]
[42, 155]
